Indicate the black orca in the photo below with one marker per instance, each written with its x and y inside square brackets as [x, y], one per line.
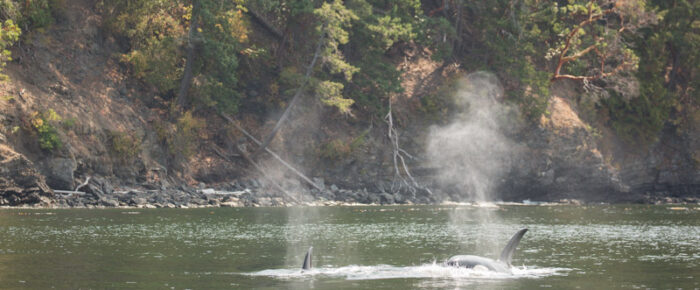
[503, 264]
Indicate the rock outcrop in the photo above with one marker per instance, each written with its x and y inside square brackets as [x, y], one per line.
[20, 182]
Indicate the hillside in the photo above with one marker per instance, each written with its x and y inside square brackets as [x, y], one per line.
[136, 97]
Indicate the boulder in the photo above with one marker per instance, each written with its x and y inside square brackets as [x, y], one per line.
[386, 198]
[108, 202]
[59, 173]
[20, 182]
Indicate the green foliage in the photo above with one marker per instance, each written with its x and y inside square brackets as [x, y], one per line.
[513, 48]
[9, 34]
[377, 80]
[520, 41]
[158, 35]
[9, 10]
[32, 14]
[437, 104]
[381, 25]
[667, 74]
[330, 94]
[590, 40]
[359, 140]
[155, 30]
[44, 124]
[69, 123]
[188, 130]
[336, 149]
[124, 146]
[434, 34]
[158, 63]
[334, 18]
[37, 14]
[182, 137]
[637, 120]
[224, 33]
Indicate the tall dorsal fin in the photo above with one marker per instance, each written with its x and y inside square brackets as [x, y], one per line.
[307, 260]
[507, 253]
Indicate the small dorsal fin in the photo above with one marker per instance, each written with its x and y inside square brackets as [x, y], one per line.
[507, 253]
[307, 260]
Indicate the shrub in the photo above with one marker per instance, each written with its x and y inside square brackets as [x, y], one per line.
[69, 123]
[182, 137]
[44, 125]
[124, 145]
[9, 34]
[336, 149]
[188, 130]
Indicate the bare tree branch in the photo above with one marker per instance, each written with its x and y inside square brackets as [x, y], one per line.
[398, 156]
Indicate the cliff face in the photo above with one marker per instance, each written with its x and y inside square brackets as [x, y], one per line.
[20, 183]
[565, 159]
[669, 169]
[66, 99]
[561, 161]
[108, 133]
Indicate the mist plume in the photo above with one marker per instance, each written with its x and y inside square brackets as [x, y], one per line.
[472, 152]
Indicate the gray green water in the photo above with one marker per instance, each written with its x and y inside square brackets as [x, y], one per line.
[592, 247]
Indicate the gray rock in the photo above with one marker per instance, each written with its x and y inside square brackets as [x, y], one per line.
[138, 201]
[59, 173]
[20, 183]
[94, 190]
[320, 182]
[198, 201]
[373, 199]
[399, 198]
[547, 177]
[109, 202]
[386, 198]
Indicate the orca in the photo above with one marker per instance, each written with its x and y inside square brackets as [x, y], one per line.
[503, 264]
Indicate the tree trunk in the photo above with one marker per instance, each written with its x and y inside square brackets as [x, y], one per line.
[191, 44]
[295, 99]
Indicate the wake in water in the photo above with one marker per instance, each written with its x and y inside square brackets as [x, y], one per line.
[434, 270]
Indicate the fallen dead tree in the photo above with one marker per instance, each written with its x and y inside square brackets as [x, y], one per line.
[75, 191]
[273, 154]
[268, 177]
[400, 179]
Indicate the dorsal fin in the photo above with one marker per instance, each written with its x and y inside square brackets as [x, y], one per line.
[307, 260]
[507, 253]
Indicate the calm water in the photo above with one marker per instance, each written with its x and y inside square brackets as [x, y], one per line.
[395, 247]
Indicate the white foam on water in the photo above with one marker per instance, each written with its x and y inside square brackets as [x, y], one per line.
[355, 272]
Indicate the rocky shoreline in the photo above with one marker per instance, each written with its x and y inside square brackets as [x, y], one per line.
[99, 193]
[22, 185]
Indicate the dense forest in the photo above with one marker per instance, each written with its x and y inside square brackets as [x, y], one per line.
[628, 68]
